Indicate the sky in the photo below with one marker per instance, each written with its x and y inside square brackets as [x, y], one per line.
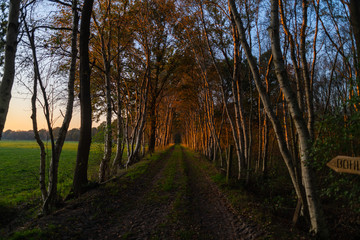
[18, 118]
[19, 113]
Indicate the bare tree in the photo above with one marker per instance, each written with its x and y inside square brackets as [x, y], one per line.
[50, 196]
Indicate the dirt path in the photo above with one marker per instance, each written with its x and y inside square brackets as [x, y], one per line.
[170, 198]
[212, 215]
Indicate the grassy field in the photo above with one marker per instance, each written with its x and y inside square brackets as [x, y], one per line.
[19, 169]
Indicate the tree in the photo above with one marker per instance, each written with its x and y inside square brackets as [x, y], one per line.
[105, 33]
[123, 43]
[164, 60]
[80, 174]
[355, 23]
[9, 67]
[3, 26]
[306, 193]
[50, 196]
[315, 211]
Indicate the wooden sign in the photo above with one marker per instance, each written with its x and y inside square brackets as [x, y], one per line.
[345, 164]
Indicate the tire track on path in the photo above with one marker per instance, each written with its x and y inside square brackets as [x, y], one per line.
[212, 215]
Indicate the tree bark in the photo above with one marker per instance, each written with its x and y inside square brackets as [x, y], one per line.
[9, 67]
[43, 190]
[293, 56]
[305, 72]
[266, 101]
[104, 170]
[317, 220]
[134, 156]
[80, 174]
[355, 23]
[54, 164]
[120, 143]
[235, 127]
[68, 114]
[138, 129]
[152, 118]
[52, 176]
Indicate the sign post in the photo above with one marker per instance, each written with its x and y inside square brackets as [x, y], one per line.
[345, 164]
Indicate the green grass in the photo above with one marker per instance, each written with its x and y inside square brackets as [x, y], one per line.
[181, 201]
[19, 169]
[139, 168]
[37, 234]
[168, 182]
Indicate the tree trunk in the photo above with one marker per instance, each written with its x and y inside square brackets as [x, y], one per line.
[260, 137]
[235, 127]
[53, 178]
[355, 23]
[80, 174]
[305, 73]
[293, 57]
[143, 145]
[138, 130]
[42, 177]
[104, 169]
[229, 163]
[317, 220]
[265, 147]
[31, 38]
[9, 68]
[117, 163]
[152, 118]
[43, 190]
[266, 101]
[50, 197]
[167, 125]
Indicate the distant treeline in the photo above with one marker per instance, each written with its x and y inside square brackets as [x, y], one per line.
[72, 135]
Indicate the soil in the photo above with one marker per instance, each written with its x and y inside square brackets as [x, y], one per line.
[173, 199]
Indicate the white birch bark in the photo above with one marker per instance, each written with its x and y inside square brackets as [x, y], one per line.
[318, 225]
[265, 100]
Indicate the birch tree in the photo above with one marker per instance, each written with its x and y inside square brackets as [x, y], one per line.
[317, 221]
[105, 31]
[315, 211]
